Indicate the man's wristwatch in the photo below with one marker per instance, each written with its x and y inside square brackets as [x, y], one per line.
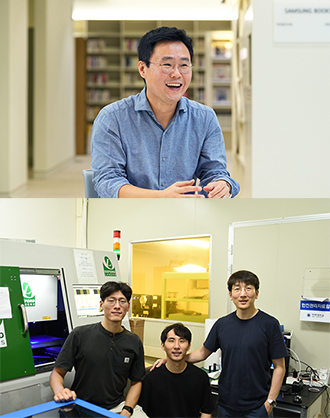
[271, 402]
[129, 409]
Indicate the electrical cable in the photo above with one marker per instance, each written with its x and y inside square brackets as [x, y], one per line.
[296, 359]
[316, 375]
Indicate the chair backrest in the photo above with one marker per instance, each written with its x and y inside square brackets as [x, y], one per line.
[89, 186]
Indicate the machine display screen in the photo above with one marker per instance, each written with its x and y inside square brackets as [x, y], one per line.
[87, 298]
[39, 290]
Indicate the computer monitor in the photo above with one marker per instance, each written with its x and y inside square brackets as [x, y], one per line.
[39, 288]
[48, 326]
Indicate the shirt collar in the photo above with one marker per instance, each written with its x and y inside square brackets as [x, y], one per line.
[142, 103]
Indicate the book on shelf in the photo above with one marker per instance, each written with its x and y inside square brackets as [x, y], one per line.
[201, 44]
[96, 61]
[201, 95]
[132, 92]
[131, 44]
[200, 61]
[220, 50]
[98, 78]
[221, 72]
[95, 45]
[92, 112]
[98, 95]
[130, 62]
[222, 96]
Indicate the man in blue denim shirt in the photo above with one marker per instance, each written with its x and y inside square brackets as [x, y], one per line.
[158, 143]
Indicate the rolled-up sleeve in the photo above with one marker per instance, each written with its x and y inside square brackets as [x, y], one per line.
[108, 155]
[212, 164]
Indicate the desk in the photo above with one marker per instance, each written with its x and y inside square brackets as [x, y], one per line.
[310, 406]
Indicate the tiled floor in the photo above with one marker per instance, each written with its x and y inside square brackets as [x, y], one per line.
[65, 182]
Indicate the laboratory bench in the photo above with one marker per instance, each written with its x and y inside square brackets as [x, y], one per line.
[310, 406]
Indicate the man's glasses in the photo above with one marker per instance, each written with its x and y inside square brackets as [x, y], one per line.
[169, 67]
[113, 302]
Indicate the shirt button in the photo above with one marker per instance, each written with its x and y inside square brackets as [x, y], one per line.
[164, 158]
[163, 184]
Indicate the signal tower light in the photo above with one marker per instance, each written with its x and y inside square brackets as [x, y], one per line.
[116, 243]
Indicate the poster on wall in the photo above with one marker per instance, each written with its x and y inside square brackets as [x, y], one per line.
[301, 21]
[85, 266]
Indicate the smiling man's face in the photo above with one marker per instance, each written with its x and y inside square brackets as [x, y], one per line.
[166, 89]
[175, 347]
[115, 307]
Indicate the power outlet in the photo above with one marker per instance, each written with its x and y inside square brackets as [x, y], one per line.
[324, 375]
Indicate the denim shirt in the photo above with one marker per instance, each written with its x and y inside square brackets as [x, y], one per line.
[129, 146]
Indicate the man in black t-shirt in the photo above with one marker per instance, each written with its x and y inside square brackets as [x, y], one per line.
[250, 341]
[177, 388]
[105, 355]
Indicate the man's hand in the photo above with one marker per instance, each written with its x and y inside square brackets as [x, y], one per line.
[125, 413]
[218, 189]
[65, 395]
[158, 363]
[179, 189]
[268, 407]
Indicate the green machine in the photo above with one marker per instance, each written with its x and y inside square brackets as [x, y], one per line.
[50, 291]
[16, 359]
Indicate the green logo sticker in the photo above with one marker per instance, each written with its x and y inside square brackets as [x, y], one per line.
[29, 298]
[108, 268]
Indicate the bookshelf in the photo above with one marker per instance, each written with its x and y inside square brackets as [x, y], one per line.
[218, 74]
[111, 63]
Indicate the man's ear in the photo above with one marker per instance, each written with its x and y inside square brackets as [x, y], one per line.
[101, 305]
[141, 67]
[163, 346]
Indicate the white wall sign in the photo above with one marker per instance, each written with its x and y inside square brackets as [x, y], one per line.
[314, 311]
[3, 340]
[302, 21]
[5, 307]
[85, 266]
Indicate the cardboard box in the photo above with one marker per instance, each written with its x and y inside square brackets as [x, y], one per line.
[137, 326]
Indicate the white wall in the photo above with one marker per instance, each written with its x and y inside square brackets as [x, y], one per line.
[148, 219]
[47, 221]
[13, 95]
[54, 85]
[290, 113]
[54, 105]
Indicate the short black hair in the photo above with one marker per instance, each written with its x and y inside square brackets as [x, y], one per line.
[179, 329]
[110, 287]
[162, 34]
[244, 276]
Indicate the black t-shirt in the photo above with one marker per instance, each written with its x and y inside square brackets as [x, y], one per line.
[247, 349]
[165, 394]
[103, 362]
